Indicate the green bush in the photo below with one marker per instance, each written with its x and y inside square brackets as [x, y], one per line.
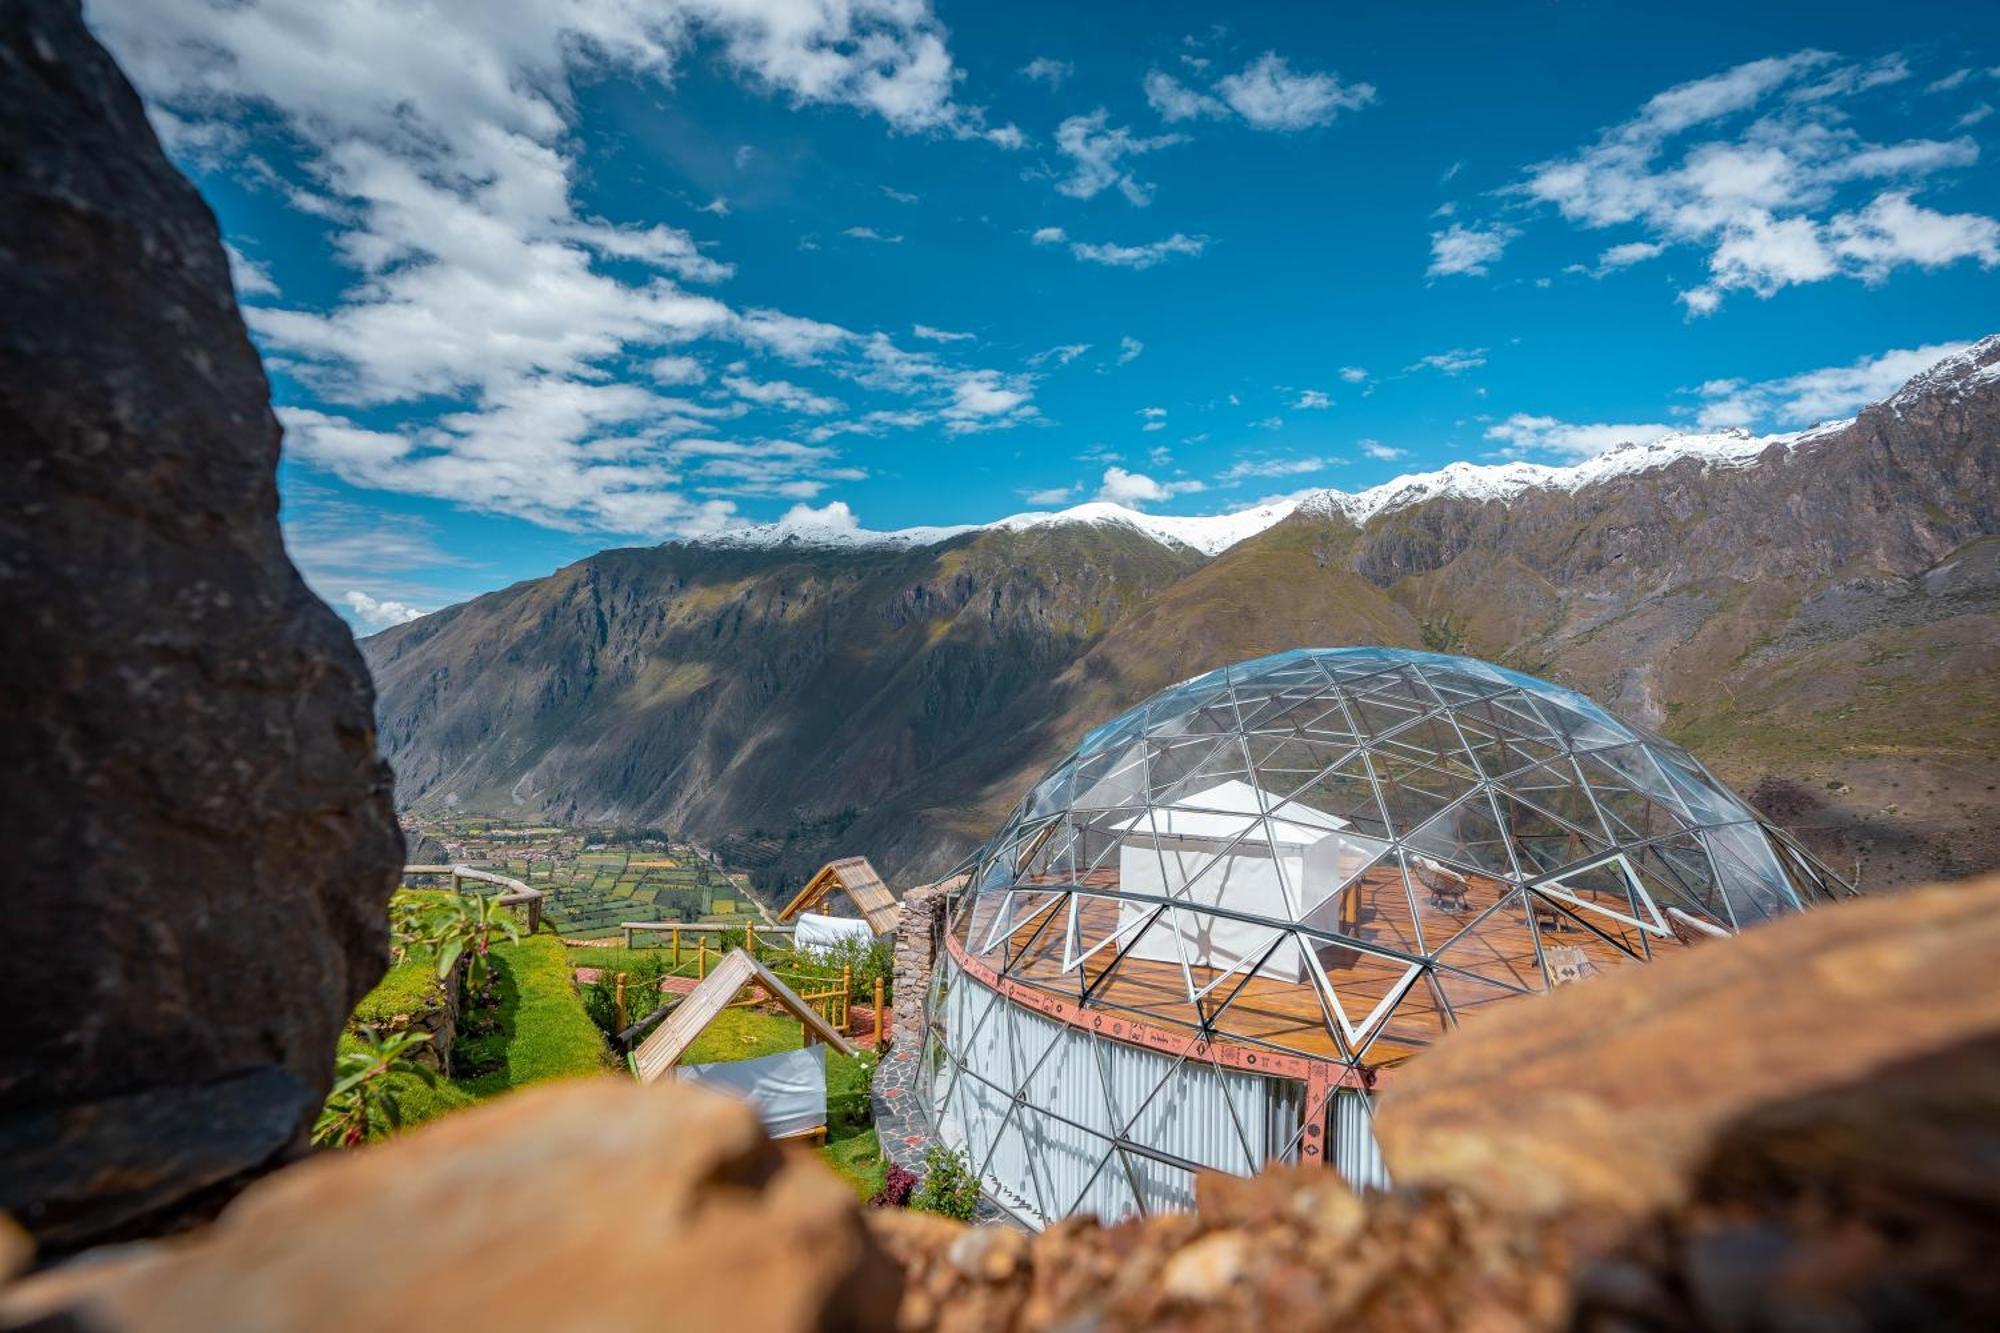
[407, 988]
[949, 1189]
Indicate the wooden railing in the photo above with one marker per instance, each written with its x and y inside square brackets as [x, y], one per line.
[526, 902]
[751, 931]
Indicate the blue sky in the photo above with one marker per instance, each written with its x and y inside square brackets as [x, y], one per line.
[537, 279]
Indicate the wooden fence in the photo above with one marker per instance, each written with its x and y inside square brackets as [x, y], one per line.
[526, 902]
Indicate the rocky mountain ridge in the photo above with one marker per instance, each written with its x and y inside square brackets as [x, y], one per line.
[1817, 613]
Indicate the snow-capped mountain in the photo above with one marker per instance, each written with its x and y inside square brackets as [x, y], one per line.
[1211, 534]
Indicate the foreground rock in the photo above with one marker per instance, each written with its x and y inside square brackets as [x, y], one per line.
[596, 1205]
[200, 834]
[1615, 1093]
[1291, 1251]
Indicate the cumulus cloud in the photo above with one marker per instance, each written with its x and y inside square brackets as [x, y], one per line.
[1244, 469]
[1454, 362]
[870, 234]
[1382, 452]
[1098, 153]
[487, 305]
[779, 393]
[1353, 374]
[1761, 168]
[373, 614]
[1272, 96]
[1136, 488]
[1313, 399]
[1129, 350]
[1817, 395]
[1525, 433]
[251, 277]
[1459, 249]
[1139, 256]
[1267, 93]
[1155, 417]
[929, 334]
[1046, 69]
[1052, 495]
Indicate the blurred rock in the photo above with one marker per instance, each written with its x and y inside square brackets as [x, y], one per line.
[1290, 1250]
[1615, 1093]
[595, 1205]
[200, 833]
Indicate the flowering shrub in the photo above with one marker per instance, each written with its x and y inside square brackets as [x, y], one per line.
[897, 1186]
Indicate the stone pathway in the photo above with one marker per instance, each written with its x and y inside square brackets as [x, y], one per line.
[902, 1126]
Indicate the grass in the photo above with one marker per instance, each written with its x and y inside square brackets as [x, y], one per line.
[542, 1032]
[851, 1147]
[409, 987]
[539, 1030]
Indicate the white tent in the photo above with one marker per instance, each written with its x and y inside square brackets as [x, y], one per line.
[788, 1089]
[1219, 847]
[818, 933]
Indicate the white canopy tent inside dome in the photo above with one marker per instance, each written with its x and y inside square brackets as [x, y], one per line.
[1233, 844]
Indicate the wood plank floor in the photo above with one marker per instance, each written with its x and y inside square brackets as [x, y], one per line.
[1290, 1014]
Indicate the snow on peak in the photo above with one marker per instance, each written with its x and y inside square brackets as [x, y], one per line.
[1976, 363]
[836, 526]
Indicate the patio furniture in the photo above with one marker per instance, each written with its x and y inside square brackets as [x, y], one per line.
[1448, 890]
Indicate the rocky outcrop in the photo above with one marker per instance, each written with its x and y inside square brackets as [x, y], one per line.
[200, 834]
[593, 1205]
[1613, 1094]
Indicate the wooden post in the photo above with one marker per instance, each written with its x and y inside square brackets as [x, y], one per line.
[750, 937]
[878, 1014]
[701, 959]
[620, 998]
[847, 979]
[628, 937]
[677, 946]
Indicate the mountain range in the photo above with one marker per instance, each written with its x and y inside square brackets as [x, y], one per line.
[1816, 614]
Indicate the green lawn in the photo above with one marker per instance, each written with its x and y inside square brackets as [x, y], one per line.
[540, 1031]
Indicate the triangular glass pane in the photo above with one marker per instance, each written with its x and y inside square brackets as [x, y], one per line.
[1361, 987]
[1542, 843]
[1275, 1005]
[1558, 789]
[1329, 866]
[1498, 948]
[1467, 833]
[1610, 895]
[1345, 792]
[1755, 883]
[1448, 899]
[1382, 716]
[1413, 793]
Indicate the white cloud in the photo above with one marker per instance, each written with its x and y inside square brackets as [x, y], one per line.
[986, 400]
[1468, 250]
[251, 277]
[1129, 350]
[1097, 153]
[1244, 468]
[372, 614]
[779, 393]
[900, 196]
[1949, 81]
[1049, 236]
[1053, 495]
[1353, 374]
[1621, 256]
[1046, 69]
[1973, 117]
[437, 143]
[1817, 395]
[1061, 355]
[1136, 488]
[1139, 256]
[1269, 423]
[929, 334]
[1156, 418]
[677, 370]
[1313, 399]
[1382, 452]
[717, 206]
[1526, 433]
[870, 234]
[1176, 102]
[1454, 362]
[1269, 95]
[1759, 166]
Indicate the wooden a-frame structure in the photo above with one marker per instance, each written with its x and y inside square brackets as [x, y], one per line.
[864, 888]
[663, 1049]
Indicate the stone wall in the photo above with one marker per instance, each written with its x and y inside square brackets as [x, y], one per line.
[201, 836]
[917, 941]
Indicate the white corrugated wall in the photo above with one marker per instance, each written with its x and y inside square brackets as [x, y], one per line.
[1051, 1155]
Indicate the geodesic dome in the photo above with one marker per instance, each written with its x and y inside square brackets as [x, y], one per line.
[1212, 930]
